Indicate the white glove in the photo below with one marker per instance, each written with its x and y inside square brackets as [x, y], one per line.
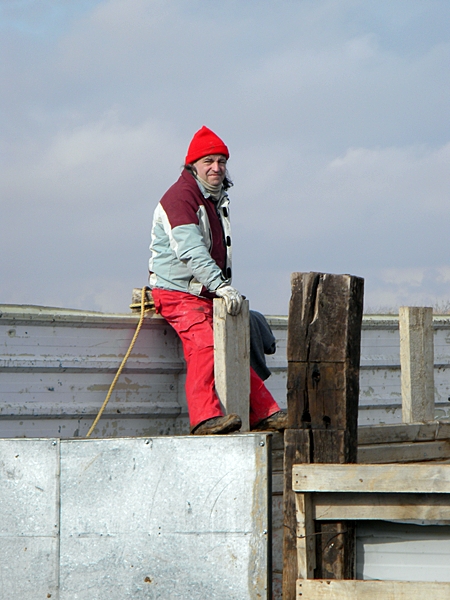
[233, 299]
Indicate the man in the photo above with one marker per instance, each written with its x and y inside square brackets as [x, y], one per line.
[190, 265]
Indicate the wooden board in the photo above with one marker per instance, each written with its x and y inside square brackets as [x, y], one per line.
[296, 449]
[404, 453]
[323, 394]
[417, 363]
[323, 353]
[422, 478]
[371, 590]
[329, 320]
[381, 507]
[306, 543]
[232, 360]
[411, 432]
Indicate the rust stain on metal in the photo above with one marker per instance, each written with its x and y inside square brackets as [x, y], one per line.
[91, 462]
[126, 385]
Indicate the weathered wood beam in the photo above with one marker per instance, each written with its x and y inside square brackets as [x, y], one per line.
[371, 590]
[417, 363]
[232, 360]
[324, 332]
[296, 450]
[416, 478]
[136, 299]
[404, 453]
[412, 442]
[381, 507]
[413, 432]
[323, 351]
[306, 547]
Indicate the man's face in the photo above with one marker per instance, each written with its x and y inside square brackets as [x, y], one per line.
[212, 168]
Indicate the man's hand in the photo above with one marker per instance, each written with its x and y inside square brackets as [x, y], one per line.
[233, 299]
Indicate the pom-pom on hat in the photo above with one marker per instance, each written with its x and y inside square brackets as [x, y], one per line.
[203, 143]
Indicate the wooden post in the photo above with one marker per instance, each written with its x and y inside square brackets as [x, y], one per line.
[324, 338]
[306, 547]
[417, 363]
[136, 299]
[232, 360]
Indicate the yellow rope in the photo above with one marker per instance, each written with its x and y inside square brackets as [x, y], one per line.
[122, 364]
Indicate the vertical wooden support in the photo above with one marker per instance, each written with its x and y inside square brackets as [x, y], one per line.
[296, 450]
[417, 363]
[232, 360]
[306, 545]
[324, 339]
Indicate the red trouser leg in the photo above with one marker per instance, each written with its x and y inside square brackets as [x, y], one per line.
[262, 403]
[192, 319]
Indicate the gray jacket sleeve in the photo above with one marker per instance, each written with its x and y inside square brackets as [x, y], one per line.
[262, 341]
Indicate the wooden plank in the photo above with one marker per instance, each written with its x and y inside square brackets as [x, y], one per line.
[322, 394]
[324, 331]
[323, 350]
[136, 300]
[306, 539]
[417, 363]
[335, 541]
[278, 484]
[325, 311]
[278, 461]
[403, 453]
[297, 395]
[413, 478]
[335, 545]
[232, 360]
[333, 446]
[296, 449]
[319, 589]
[301, 313]
[382, 507]
[411, 432]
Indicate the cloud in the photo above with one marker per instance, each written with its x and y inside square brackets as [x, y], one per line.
[369, 186]
[369, 212]
[95, 163]
[412, 277]
[80, 207]
[336, 114]
[391, 288]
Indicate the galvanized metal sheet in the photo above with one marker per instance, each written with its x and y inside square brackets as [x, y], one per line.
[160, 518]
[403, 552]
[29, 518]
[178, 517]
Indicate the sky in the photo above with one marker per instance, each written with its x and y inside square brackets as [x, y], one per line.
[335, 112]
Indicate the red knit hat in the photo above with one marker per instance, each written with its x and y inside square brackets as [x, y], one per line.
[203, 143]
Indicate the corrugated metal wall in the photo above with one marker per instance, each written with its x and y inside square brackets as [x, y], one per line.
[402, 552]
[380, 387]
[56, 367]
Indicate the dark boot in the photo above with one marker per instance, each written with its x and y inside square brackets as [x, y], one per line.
[216, 425]
[276, 422]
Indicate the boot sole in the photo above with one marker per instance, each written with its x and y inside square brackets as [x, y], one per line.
[224, 428]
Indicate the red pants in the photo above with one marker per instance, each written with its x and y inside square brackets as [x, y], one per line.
[192, 319]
